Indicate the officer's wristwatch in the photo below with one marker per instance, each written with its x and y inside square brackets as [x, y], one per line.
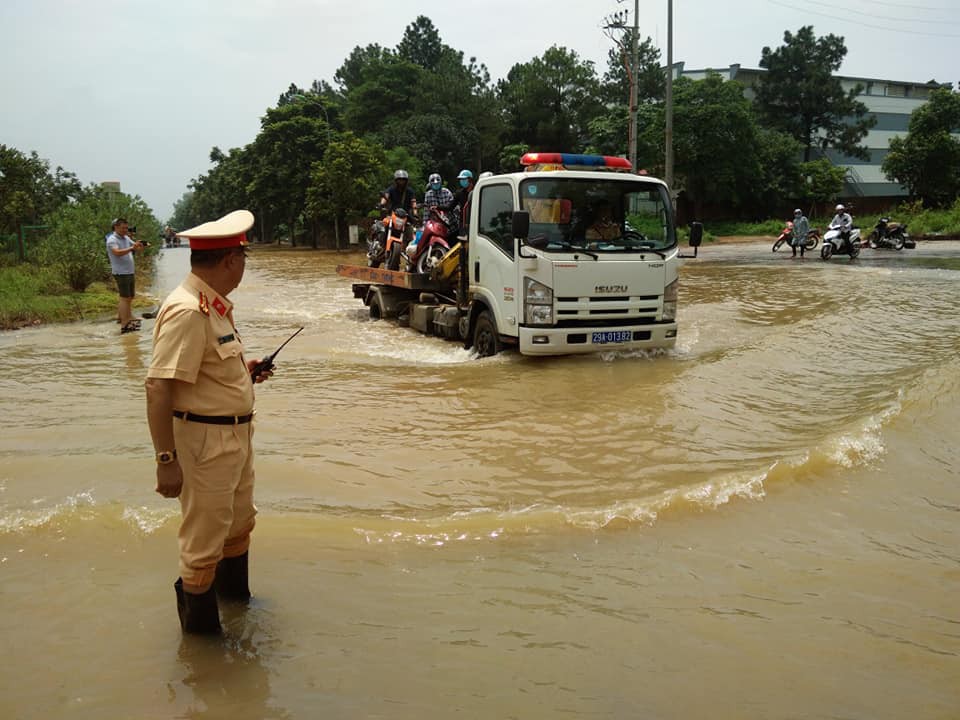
[165, 457]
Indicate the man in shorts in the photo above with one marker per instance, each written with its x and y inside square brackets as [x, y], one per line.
[120, 250]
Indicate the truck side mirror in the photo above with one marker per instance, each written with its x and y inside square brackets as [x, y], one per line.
[520, 225]
[696, 234]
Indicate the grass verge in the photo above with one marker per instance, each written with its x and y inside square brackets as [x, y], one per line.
[30, 295]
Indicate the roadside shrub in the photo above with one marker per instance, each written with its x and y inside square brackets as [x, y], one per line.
[75, 247]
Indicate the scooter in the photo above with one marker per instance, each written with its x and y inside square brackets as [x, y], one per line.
[428, 250]
[386, 240]
[888, 234]
[835, 244]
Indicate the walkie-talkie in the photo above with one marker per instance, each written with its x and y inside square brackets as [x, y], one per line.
[267, 362]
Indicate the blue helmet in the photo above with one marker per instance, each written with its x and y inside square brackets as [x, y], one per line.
[464, 175]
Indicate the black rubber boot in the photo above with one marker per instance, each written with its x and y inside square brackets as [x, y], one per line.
[232, 581]
[199, 614]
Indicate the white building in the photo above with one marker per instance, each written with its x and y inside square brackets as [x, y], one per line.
[890, 101]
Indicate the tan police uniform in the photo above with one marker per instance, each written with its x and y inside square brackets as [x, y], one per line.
[196, 343]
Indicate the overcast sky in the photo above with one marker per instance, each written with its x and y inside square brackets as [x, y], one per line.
[139, 91]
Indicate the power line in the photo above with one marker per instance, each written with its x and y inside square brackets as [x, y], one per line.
[860, 23]
[884, 17]
[912, 7]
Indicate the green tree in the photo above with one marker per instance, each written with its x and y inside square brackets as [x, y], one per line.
[421, 44]
[29, 190]
[820, 181]
[651, 83]
[346, 182]
[926, 162]
[779, 178]
[509, 160]
[550, 101]
[355, 70]
[800, 96]
[221, 190]
[387, 91]
[292, 138]
[75, 246]
[718, 146]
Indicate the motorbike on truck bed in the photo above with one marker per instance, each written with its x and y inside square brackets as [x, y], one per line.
[385, 244]
[428, 250]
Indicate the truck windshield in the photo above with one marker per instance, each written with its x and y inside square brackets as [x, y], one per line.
[615, 215]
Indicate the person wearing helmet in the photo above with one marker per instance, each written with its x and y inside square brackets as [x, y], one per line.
[844, 221]
[399, 195]
[801, 228]
[465, 179]
[439, 197]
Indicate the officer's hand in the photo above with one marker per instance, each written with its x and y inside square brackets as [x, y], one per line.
[169, 479]
[264, 374]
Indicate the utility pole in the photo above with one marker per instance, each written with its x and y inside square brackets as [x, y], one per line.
[635, 65]
[668, 139]
[617, 21]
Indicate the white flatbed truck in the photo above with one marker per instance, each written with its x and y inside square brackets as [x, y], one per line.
[575, 255]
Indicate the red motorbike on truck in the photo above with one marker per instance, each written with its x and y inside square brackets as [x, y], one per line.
[426, 253]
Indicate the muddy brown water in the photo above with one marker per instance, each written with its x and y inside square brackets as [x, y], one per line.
[761, 523]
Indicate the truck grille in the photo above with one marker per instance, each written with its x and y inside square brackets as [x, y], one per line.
[607, 310]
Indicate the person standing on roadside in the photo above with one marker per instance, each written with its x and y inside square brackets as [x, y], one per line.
[801, 228]
[120, 250]
[200, 401]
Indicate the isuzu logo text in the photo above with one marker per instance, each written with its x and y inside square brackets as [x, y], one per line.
[610, 289]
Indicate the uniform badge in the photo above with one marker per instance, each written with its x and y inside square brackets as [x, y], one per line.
[219, 306]
[204, 305]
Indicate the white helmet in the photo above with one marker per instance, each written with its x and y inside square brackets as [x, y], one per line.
[840, 208]
[798, 211]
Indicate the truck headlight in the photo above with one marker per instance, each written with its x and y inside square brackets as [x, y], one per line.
[537, 303]
[670, 300]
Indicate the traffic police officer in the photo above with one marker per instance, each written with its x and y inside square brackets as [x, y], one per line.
[200, 412]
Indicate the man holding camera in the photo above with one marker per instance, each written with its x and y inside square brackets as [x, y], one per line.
[120, 250]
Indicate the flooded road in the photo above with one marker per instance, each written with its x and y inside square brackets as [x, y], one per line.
[762, 522]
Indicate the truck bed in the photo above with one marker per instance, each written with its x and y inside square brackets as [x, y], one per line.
[392, 278]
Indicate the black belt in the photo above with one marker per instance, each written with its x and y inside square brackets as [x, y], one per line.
[213, 419]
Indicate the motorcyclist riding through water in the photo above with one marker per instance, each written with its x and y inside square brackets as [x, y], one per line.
[843, 221]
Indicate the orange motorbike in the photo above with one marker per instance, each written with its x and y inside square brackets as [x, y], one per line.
[385, 244]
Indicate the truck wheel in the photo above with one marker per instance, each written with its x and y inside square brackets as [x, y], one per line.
[376, 312]
[485, 337]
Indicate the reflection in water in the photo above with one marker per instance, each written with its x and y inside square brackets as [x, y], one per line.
[226, 674]
[133, 354]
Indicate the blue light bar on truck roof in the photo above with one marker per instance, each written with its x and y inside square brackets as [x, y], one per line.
[560, 161]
